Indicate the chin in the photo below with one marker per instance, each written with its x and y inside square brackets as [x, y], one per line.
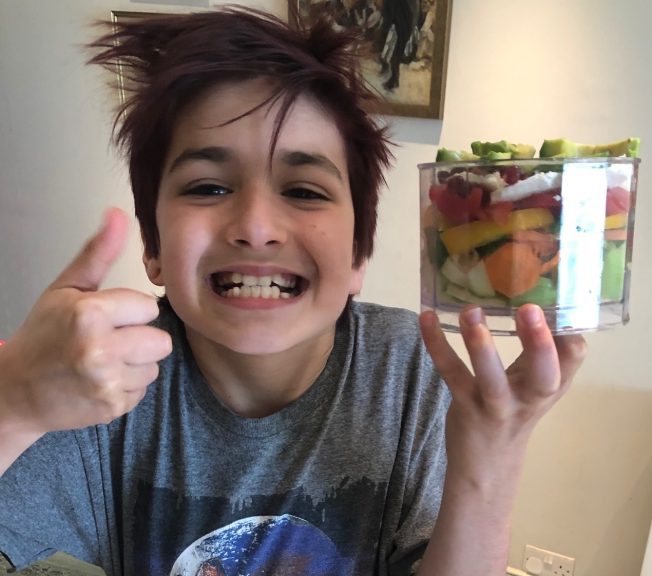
[257, 347]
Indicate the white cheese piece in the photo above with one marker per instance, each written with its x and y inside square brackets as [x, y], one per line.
[490, 182]
[620, 176]
[538, 182]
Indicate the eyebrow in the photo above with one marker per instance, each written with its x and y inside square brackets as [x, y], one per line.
[215, 154]
[307, 159]
[221, 154]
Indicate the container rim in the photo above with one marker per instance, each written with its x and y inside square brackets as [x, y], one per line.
[532, 162]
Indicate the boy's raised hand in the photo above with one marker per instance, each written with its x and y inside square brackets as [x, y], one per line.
[84, 356]
[491, 405]
[492, 414]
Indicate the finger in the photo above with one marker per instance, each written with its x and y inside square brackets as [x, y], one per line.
[139, 345]
[486, 363]
[538, 363]
[138, 378]
[571, 350]
[126, 307]
[448, 363]
[90, 267]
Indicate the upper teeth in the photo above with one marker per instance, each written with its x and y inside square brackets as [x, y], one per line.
[284, 280]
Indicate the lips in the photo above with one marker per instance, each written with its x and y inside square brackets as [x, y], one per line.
[272, 286]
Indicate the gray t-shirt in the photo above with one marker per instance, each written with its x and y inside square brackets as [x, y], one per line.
[346, 480]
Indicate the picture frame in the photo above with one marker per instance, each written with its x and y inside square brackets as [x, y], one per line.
[404, 49]
[119, 16]
[421, 80]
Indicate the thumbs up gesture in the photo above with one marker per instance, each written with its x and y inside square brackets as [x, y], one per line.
[84, 356]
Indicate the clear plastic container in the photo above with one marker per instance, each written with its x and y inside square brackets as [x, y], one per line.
[555, 232]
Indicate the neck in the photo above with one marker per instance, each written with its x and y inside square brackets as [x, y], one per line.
[255, 386]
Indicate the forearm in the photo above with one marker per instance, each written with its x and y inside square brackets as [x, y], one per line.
[472, 532]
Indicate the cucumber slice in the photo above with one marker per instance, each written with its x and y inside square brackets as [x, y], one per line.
[613, 271]
[479, 282]
[461, 294]
[454, 274]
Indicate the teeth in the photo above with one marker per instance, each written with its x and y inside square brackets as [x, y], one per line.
[285, 281]
[248, 280]
[282, 280]
[266, 292]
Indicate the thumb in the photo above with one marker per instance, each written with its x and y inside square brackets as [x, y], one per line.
[89, 268]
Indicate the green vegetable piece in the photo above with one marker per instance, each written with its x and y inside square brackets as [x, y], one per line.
[629, 147]
[522, 151]
[446, 155]
[479, 282]
[613, 271]
[559, 148]
[563, 148]
[468, 156]
[482, 149]
[461, 294]
[502, 150]
[544, 293]
[491, 155]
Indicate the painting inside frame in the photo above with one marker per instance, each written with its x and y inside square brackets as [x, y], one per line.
[404, 47]
[403, 50]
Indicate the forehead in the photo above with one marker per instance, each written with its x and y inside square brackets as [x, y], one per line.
[238, 113]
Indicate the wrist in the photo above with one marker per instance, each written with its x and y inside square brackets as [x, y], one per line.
[14, 404]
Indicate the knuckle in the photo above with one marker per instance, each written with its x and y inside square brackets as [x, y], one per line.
[86, 313]
[91, 360]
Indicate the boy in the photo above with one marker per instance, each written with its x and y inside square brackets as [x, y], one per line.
[256, 420]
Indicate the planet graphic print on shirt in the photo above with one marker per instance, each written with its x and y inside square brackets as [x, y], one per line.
[263, 545]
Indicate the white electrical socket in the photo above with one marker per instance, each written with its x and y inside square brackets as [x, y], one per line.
[540, 562]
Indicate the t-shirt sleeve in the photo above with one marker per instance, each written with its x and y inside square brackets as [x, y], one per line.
[45, 503]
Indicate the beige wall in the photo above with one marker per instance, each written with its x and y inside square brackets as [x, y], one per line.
[523, 71]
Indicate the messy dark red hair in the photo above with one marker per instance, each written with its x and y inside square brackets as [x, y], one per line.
[169, 60]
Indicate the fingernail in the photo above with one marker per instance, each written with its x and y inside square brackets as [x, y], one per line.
[428, 320]
[532, 315]
[473, 316]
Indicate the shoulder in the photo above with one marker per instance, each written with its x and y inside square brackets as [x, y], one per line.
[385, 323]
[390, 358]
[388, 337]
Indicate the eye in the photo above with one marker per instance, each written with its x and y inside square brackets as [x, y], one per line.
[206, 189]
[303, 193]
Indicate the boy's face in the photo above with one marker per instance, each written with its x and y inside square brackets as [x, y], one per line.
[225, 216]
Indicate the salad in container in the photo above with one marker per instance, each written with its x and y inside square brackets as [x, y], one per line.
[501, 228]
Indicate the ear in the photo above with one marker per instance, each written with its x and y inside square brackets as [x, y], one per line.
[153, 269]
[357, 278]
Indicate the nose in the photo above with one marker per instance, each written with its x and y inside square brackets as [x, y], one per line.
[257, 220]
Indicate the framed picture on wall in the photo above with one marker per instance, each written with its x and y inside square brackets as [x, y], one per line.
[119, 16]
[404, 47]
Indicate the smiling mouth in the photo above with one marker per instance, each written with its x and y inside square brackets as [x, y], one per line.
[273, 287]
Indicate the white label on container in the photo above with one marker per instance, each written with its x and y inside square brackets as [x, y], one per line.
[581, 238]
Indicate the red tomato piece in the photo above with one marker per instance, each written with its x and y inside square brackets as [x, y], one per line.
[456, 208]
[499, 212]
[618, 201]
[550, 199]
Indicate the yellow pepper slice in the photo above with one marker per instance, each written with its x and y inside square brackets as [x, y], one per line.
[464, 238]
[615, 221]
